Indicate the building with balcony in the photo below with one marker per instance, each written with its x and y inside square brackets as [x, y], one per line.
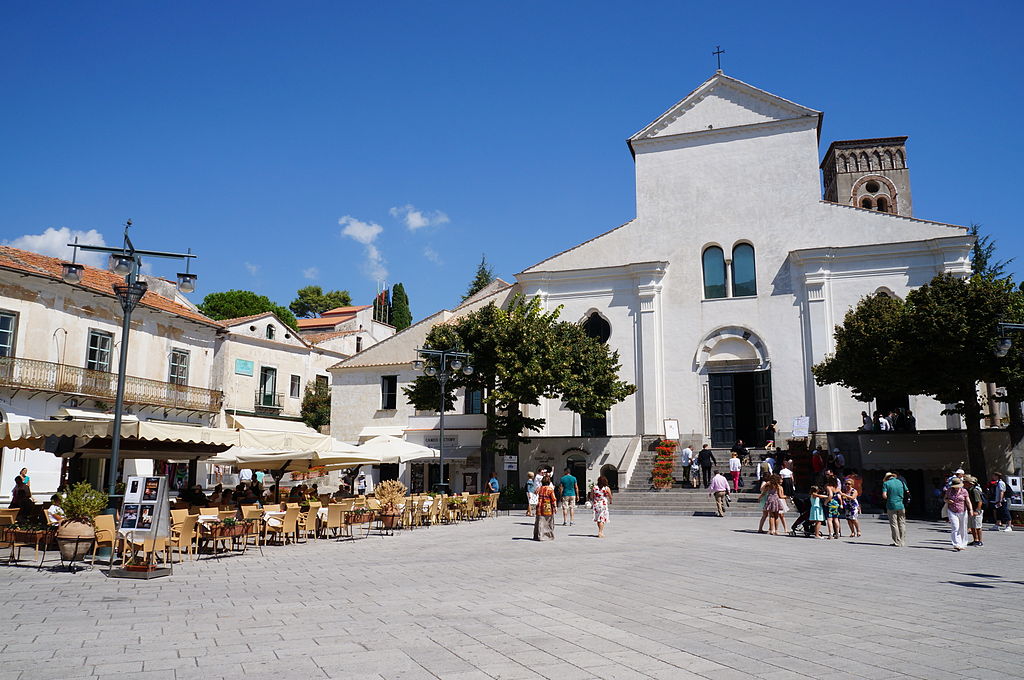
[59, 347]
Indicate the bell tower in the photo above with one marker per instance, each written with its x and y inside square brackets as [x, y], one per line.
[870, 174]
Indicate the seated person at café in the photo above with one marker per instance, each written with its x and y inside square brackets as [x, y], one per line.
[295, 495]
[313, 493]
[54, 513]
[193, 496]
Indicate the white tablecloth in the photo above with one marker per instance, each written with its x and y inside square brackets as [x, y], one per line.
[274, 517]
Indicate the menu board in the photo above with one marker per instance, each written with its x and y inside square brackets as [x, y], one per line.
[146, 507]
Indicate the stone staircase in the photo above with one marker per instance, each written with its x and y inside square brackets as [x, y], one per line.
[637, 497]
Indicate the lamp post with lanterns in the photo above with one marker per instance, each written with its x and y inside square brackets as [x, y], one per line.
[442, 364]
[1005, 343]
[125, 261]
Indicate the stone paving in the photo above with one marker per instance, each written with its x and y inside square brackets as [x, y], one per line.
[661, 597]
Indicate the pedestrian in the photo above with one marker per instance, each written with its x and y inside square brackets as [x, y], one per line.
[770, 433]
[761, 501]
[493, 485]
[735, 467]
[601, 498]
[817, 515]
[260, 476]
[686, 461]
[740, 450]
[833, 507]
[531, 493]
[1001, 495]
[773, 504]
[840, 461]
[26, 480]
[911, 421]
[786, 473]
[817, 463]
[958, 505]
[851, 506]
[865, 422]
[974, 522]
[894, 493]
[245, 475]
[706, 460]
[570, 490]
[544, 524]
[361, 485]
[21, 498]
[720, 489]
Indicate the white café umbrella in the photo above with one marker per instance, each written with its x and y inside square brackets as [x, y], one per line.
[394, 450]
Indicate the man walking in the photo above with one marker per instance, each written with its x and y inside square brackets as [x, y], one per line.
[570, 490]
[894, 491]
[706, 460]
[1001, 502]
[720, 489]
[686, 461]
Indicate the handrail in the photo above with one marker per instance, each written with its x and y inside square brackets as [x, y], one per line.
[48, 376]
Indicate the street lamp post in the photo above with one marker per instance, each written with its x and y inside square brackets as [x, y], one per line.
[125, 261]
[442, 364]
[1005, 343]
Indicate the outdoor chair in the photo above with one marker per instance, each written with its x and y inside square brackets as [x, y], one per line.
[145, 546]
[334, 519]
[184, 537]
[307, 521]
[178, 516]
[493, 510]
[434, 513]
[227, 514]
[289, 525]
[215, 511]
[106, 536]
[254, 515]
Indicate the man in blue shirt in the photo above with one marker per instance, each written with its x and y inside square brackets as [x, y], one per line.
[570, 490]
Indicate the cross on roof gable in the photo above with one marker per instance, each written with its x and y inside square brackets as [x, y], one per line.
[722, 102]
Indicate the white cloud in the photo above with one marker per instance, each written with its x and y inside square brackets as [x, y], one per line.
[366, 233]
[54, 242]
[417, 219]
[432, 255]
[254, 269]
[311, 273]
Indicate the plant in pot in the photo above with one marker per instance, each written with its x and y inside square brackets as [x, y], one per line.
[390, 494]
[77, 533]
[664, 463]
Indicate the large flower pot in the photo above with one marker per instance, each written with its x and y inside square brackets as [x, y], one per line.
[75, 540]
[389, 520]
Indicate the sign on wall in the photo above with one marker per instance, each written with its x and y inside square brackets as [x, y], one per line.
[434, 441]
[671, 429]
[801, 426]
[511, 462]
[244, 367]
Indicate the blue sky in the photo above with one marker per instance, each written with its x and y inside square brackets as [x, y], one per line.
[256, 132]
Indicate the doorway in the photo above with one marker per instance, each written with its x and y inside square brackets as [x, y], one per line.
[577, 464]
[740, 407]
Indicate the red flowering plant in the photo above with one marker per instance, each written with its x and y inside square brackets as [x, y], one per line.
[664, 463]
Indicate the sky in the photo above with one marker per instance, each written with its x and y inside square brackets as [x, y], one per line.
[342, 143]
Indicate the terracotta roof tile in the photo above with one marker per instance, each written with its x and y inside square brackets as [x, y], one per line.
[316, 338]
[346, 310]
[243, 319]
[322, 322]
[93, 279]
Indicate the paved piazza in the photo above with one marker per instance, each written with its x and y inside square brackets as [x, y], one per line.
[661, 597]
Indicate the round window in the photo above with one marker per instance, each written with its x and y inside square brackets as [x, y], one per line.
[872, 187]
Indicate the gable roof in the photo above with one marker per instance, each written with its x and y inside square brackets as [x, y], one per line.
[316, 338]
[740, 104]
[242, 319]
[345, 310]
[94, 280]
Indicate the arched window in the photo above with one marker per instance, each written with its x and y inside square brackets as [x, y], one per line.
[597, 327]
[882, 205]
[900, 162]
[866, 203]
[714, 273]
[744, 280]
[270, 331]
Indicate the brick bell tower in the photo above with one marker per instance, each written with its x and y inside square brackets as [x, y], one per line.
[870, 174]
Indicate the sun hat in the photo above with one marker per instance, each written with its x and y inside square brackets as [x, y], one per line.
[959, 471]
[888, 476]
[835, 450]
[956, 482]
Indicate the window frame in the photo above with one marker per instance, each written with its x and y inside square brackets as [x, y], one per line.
[7, 350]
[322, 381]
[753, 271]
[473, 402]
[175, 377]
[90, 363]
[271, 332]
[704, 272]
[294, 386]
[389, 392]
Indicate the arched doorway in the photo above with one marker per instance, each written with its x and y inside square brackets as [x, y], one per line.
[611, 473]
[576, 461]
[739, 388]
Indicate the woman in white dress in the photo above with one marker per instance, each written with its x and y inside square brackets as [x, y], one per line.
[601, 497]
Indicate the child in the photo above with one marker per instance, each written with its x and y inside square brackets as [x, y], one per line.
[817, 515]
[54, 513]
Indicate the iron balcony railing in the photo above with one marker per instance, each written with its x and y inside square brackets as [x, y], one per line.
[268, 400]
[46, 376]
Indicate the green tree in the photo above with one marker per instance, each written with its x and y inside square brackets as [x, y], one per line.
[520, 355]
[235, 303]
[939, 342]
[484, 276]
[401, 316]
[316, 405]
[983, 255]
[312, 301]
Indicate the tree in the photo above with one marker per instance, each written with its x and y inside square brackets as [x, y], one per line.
[401, 316]
[316, 405]
[232, 304]
[484, 276]
[983, 255]
[939, 342]
[520, 355]
[312, 301]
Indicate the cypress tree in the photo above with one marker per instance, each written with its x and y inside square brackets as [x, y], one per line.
[401, 316]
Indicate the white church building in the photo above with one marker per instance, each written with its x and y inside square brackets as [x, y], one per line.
[725, 289]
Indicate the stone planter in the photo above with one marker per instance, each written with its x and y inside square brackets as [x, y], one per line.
[75, 540]
[389, 520]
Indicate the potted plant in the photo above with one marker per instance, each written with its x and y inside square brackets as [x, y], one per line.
[664, 462]
[138, 563]
[77, 533]
[390, 493]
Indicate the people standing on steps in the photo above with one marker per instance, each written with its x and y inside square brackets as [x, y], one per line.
[740, 450]
[686, 462]
[735, 467]
[706, 460]
[570, 491]
[720, 489]
[786, 473]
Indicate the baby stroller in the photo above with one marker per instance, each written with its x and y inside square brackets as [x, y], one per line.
[803, 506]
